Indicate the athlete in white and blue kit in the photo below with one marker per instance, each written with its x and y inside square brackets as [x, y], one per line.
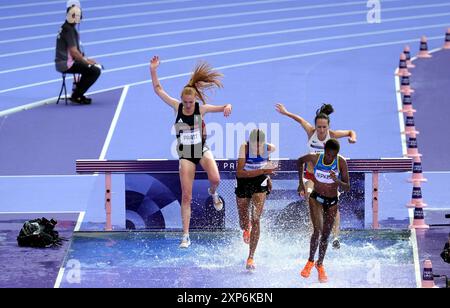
[253, 184]
[318, 135]
[330, 174]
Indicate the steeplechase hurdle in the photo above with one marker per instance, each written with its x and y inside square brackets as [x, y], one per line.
[109, 167]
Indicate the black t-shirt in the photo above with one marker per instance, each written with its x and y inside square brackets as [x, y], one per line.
[67, 37]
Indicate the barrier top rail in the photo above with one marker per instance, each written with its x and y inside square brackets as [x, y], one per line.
[383, 165]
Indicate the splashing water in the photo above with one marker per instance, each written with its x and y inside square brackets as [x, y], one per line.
[366, 258]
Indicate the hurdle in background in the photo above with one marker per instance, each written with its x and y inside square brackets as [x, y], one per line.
[109, 167]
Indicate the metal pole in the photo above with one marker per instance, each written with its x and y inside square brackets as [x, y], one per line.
[108, 201]
[375, 224]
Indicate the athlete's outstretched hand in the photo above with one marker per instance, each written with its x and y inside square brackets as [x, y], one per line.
[154, 63]
[351, 140]
[281, 109]
[227, 110]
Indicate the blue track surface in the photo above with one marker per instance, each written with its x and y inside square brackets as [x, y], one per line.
[249, 40]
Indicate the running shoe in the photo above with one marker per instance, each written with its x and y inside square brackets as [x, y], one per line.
[322, 275]
[185, 241]
[250, 264]
[336, 243]
[218, 204]
[307, 269]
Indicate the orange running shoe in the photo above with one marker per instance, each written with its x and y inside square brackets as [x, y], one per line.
[307, 269]
[250, 264]
[322, 275]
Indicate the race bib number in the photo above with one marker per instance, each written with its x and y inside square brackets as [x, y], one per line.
[324, 176]
[191, 137]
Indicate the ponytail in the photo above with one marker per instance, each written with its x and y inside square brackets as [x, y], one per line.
[323, 112]
[203, 78]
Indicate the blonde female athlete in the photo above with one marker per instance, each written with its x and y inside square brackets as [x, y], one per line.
[191, 134]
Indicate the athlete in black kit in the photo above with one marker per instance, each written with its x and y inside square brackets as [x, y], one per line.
[191, 135]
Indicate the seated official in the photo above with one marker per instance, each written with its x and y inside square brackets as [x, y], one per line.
[70, 59]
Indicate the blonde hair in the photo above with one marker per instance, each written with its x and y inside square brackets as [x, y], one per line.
[203, 78]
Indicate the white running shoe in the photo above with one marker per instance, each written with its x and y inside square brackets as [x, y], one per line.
[185, 241]
[336, 243]
[218, 204]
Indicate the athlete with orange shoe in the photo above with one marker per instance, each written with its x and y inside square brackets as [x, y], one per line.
[330, 174]
[253, 184]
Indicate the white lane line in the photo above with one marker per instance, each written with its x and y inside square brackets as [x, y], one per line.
[290, 43]
[10, 111]
[62, 269]
[43, 212]
[156, 23]
[94, 8]
[16, 6]
[153, 12]
[401, 120]
[253, 35]
[43, 176]
[415, 249]
[79, 221]
[304, 29]
[51, 49]
[149, 24]
[114, 123]
[59, 277]
[209, 17]
[243, 64]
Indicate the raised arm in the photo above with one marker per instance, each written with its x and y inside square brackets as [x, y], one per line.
[226, 109]
[351, 134]
[172, 102]
[309, 129]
